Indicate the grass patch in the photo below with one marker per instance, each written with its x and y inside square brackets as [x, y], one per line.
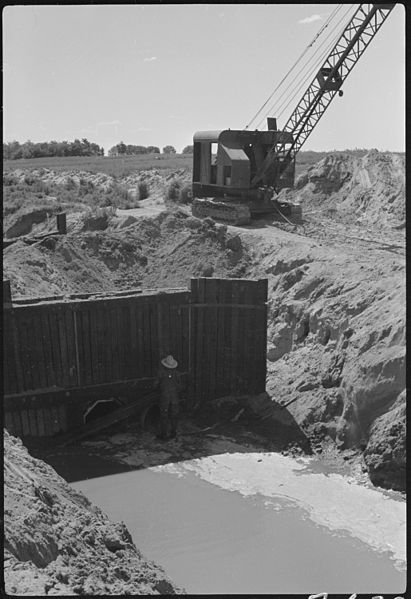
[177, 192]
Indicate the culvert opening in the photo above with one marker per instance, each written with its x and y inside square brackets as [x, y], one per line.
[150, 419]
[100, 408]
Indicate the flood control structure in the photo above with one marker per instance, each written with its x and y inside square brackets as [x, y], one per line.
[63, 356]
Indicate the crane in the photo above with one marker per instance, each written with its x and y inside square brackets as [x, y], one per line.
[238, 173]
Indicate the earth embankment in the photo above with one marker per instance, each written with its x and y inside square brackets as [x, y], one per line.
[57, 543]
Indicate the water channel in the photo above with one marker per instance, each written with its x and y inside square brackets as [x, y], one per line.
[258, 523]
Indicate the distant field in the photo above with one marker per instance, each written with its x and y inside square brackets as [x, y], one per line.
[116, 166]
[119, 166]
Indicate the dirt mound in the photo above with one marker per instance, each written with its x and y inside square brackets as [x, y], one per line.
[57, 543]
[24, 221]
[368, 189]
[164, 251]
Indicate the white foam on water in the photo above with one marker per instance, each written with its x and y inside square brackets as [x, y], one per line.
[331, 500]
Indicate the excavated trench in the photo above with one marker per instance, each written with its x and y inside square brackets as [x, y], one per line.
[336, 314]
[335, 394]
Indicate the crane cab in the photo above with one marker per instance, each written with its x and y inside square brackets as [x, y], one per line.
[225, 162]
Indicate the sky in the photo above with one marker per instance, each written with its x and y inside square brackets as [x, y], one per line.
[156, 74]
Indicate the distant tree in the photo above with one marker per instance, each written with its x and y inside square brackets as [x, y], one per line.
[140, 150]
[28, 149]
[153, 150]
[14, 150]
[169, 150]
[188, 150]
[121, 148]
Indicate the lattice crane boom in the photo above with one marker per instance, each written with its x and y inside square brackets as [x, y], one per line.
[355, 38]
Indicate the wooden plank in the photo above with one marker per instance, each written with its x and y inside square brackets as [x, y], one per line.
[25, 423]
[9, 358]
[137, 320]
[251, 356]
[62, 337]
[105, 336]
[200, 344]
[79, 347]
[126, 342]
[262, 319]
[119, 357]
[169, 341]
[94, 345]
[139, 328]
[21, 351]
[119, 343]
[193, 314]
[17, 350]
[40, 422]
[205, 362]
[176, 334]
[262, 369]
[151, 340]
[212, 287]
[113, 344]
[185, 327]
[6, 292]
[234, 337]
[163, 323]
[242, 351]
[129, 343]
[62, 418]
[17, 424]
[181, 318]
[55, 344]
[70, 326]
[104, 326]
[47, 419]
[8, 422]
[36, 352]
[246, 356]
[45, 341]
[83, 337]
[54, 412]
[34, 430]
[86, 341]
[25, 335]
[227, 349]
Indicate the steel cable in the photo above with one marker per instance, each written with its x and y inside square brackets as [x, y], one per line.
[296, 62]
[309, 74]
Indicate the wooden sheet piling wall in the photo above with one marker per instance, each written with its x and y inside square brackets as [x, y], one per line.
[229, 337]
[69, 348]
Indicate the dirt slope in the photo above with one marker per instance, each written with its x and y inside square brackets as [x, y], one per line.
[125, 252]
[336, 343]
[369, 190]
[57, 543]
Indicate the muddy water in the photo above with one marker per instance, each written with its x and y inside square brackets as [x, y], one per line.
[221, 537]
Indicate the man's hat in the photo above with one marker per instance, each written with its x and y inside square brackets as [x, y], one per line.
[169, 362]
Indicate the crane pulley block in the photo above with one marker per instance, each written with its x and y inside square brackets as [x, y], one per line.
[329, 79]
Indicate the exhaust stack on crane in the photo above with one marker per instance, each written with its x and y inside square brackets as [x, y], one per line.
[237, 173]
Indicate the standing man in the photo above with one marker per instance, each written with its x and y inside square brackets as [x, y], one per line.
[170, 385]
